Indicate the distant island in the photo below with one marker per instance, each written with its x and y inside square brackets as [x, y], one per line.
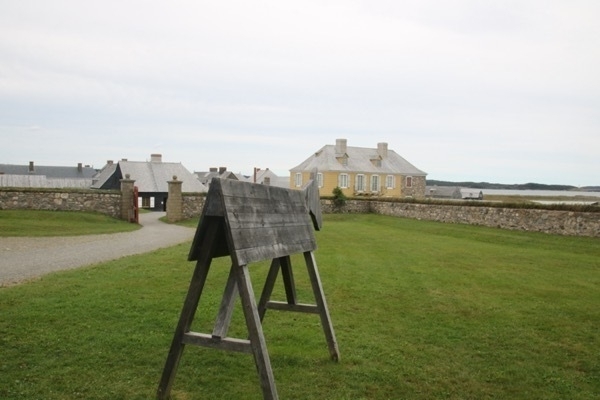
[516, 186]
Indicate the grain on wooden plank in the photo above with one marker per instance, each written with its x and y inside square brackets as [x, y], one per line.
[247, 256]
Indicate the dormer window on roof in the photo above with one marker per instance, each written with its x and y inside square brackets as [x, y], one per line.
[343, 159]
[376, 162]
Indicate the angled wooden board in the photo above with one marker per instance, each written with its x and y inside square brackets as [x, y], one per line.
[257, 222]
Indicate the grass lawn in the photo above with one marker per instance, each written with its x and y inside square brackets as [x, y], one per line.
[422, 310]
[59, 223]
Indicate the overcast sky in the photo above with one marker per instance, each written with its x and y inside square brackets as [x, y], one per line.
[499, 91]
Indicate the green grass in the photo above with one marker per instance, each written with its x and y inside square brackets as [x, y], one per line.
[59, 223]
[422, 310]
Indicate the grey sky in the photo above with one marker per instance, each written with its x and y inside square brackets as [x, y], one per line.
[500, 91]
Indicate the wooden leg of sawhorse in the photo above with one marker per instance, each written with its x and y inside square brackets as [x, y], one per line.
[317, 287]
[285, 264]
[185, 320]
[256, 335]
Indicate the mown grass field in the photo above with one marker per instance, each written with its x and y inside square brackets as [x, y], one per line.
[422, 310]
[59, 223]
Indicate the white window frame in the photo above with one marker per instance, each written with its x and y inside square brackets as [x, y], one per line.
[409, 181]
[390, 181]
[375, 184]
[298, 179]
[319, 179]
[343, 181]
[360, 186]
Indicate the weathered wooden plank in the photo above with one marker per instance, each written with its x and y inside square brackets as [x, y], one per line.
[313, 202]
[226, 343]
[268, 287]
[295, 204]
[288, 279]
[255, 332]
[276, 250]
[202, 236]
[315, 280]
[239, 220]
[226, 309]
[260, 237]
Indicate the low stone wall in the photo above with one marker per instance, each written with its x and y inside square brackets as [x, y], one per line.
[547, 221]
[109, 203]
[534, 220]
[192, 204]
[102, 201]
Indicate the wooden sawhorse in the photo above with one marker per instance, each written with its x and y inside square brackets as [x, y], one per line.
[219, 234]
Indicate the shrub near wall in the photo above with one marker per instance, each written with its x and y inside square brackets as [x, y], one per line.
[103, 201]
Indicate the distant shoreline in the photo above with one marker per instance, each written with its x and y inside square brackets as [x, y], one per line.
[523, 186]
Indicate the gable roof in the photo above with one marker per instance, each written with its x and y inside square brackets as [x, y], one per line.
[274, 180]
[358, 159]
[149, 176]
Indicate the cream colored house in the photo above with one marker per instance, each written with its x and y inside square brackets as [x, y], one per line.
[361, 171]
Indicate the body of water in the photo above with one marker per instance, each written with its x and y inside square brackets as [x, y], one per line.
[546, 193]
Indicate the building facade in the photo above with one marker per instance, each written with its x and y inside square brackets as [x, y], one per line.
[360, 171]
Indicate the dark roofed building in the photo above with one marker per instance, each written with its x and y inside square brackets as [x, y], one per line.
[151, 178]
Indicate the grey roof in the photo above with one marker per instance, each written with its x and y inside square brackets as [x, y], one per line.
[150, 176]
[102, 177]
[274, 180]
[470, 193]
[360, 160]
[73, 172]
[205, 177]
[42, 181]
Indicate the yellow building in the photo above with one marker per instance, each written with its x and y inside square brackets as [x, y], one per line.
[360, 171]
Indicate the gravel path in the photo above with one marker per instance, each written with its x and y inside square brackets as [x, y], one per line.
[23, 258]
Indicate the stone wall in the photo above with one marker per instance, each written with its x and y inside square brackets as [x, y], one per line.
[534, 220]
[102, 201]
[192, 204]
[109, 203]
[351, 207]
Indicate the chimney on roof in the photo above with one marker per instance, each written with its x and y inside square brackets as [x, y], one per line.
[79, 167]
[340, 146]
[382, 150]
[109, 162]
[255, 172]
[222, 170]
[31, 167]
[213, 169]
[155, 157]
